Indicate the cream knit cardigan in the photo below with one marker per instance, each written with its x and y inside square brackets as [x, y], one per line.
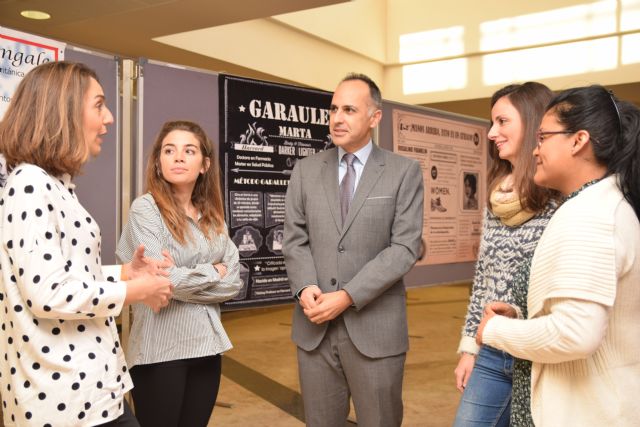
[583, 331]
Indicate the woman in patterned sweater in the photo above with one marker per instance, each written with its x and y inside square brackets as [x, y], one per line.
[517, 213]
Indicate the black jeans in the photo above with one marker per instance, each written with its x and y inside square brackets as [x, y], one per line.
[178, 393]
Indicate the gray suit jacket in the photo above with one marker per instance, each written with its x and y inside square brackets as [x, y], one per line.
[368, 257]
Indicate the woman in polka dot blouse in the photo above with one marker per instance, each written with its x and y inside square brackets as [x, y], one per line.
[174, 355]
[61, 363]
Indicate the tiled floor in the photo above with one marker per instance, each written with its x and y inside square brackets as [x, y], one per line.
[260, 380]
[260, 383]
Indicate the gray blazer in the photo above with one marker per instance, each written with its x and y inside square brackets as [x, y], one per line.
[368, 257]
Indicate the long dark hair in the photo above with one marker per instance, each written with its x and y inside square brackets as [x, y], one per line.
[614, 128]
[530, 100]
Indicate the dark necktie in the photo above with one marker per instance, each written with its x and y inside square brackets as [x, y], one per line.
[347, 185]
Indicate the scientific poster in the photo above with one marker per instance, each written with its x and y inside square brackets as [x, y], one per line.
[453, 158]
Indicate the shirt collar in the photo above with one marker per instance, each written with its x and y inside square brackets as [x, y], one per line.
[362, 154]
[65, 179]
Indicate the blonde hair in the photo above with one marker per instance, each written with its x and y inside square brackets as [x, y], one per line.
[43, 124]
[206, 195]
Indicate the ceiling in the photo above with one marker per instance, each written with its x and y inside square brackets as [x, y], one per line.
[127, 27]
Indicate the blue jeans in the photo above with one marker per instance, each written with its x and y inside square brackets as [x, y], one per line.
[486, 401]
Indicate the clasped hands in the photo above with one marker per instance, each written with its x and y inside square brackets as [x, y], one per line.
[320, 307]
[492, 309]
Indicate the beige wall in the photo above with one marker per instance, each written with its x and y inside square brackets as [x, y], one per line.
[317, 47]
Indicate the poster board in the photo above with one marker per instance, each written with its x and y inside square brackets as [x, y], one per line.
[453, 157]
[450, 149]
[171, 92]
[265, 128]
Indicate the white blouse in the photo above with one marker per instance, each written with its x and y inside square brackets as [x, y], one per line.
[61, 362]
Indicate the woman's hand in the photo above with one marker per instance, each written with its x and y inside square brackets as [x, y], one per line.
[221, 269]
[167, 259]
[502, 309]
[495, 308]
[463, 370]
[147, 280]
[141, 265]
[152, 290]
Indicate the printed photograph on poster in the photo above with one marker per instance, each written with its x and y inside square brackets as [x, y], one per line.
[20, 53]
[274, 240]
[265, 128]
[453, 158]
[470, 193]
[248, 239]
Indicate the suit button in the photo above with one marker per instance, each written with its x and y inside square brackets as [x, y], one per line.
[333, 281]
[341, 249]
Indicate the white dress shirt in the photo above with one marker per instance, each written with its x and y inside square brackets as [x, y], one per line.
[362, 155]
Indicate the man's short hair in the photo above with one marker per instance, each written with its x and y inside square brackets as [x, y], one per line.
[374, 90]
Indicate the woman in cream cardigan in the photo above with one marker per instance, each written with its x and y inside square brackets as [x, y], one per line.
[584, 293]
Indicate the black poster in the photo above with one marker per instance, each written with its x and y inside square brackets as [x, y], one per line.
[265, 128]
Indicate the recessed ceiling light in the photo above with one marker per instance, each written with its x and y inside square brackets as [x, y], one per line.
[35, 14]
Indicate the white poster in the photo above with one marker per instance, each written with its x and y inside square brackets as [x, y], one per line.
[453, 158]
[19, 53]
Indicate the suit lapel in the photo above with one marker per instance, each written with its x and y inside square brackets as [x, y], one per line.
[330, 184]
[370, 175]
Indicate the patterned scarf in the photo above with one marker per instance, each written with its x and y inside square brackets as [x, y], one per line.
[506, 205]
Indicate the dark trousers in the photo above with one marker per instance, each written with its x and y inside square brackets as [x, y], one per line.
[178, 393]
[125, 420]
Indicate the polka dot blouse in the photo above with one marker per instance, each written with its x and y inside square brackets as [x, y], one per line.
[61, 363]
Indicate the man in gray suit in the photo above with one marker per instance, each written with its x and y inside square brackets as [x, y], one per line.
[353, 228]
